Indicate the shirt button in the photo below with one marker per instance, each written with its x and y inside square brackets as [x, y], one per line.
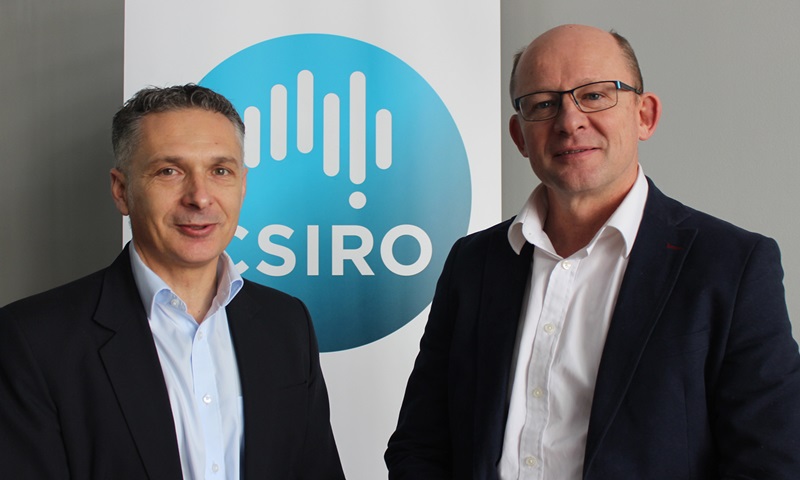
[566, 264]
[531, 461]
[537, 393]
[175, 302]
[207, 399]
[215, 468]
[549, 328]
[200, 335]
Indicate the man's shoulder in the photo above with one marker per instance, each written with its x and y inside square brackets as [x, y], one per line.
[671, 211]
[81, 292]
[56, 319]
[482, 239]
[259, 308]
[257, 296]
[78, 299]
[261, 291]
[478, 249]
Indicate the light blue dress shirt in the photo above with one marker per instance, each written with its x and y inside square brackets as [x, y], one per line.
[199, 366]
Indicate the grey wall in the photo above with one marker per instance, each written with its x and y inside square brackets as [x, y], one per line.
[724, 69]
[60, 81]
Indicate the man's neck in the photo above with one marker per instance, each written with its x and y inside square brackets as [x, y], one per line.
[197, 290]
[197, 287]
[572, 223]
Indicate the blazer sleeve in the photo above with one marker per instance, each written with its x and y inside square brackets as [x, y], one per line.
[30, 436]
[757, 398]
[420, 448]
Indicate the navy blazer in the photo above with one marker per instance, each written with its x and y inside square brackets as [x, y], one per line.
[699, 377]
[82, 394]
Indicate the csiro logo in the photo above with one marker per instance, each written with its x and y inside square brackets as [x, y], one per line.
[358, 185]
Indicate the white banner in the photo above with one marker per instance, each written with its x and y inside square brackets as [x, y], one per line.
[373, 143]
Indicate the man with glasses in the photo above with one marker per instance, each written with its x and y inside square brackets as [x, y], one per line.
[607, 331]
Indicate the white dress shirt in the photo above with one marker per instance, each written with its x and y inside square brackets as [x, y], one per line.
[564, 321]
[199, 366]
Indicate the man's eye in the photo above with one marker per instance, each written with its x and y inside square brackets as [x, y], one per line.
[221, 171]
[544, 105]
[594, 96]
[167, 171]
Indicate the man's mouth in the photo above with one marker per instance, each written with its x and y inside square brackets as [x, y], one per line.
[196, 228]
[572, 151]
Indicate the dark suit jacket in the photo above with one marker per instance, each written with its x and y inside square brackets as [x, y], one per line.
[82, 395]
[699, 377]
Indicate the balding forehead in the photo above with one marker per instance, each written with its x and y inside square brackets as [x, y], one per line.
[572, 31]
[569, 46]
[566, 37]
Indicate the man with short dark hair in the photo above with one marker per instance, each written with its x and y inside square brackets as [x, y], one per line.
[607, 331]
[166, 364]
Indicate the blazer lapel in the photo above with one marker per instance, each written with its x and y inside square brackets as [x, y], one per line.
[655, 262]
[506, 275]
[253, 360]
[131, 361]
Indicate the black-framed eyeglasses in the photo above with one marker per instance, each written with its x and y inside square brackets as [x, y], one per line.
[589, 98]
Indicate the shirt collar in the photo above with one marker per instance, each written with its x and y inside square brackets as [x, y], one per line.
[528, 226]
[150, 285]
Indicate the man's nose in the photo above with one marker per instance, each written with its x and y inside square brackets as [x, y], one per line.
[197, 193]
[570, 118]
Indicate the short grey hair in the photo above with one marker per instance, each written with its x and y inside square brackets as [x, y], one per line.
[125, 128]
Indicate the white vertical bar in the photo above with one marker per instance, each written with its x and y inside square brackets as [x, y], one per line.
[330, 135]
[252, 138]
[305, 111]
[383, 139]
[358, 128]
[277, 122]
[312, 250]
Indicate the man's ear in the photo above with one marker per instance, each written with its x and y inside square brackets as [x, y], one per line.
[244, 182]
[515, 128]
[119, 191]
[649, 114]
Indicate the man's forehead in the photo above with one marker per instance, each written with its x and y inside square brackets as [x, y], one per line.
[186, 115]
[567, 57]
[176, 132]
[569, 47]
[572, 35]
[188, 120]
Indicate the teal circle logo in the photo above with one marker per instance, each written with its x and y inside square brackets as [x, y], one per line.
[358, 181]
